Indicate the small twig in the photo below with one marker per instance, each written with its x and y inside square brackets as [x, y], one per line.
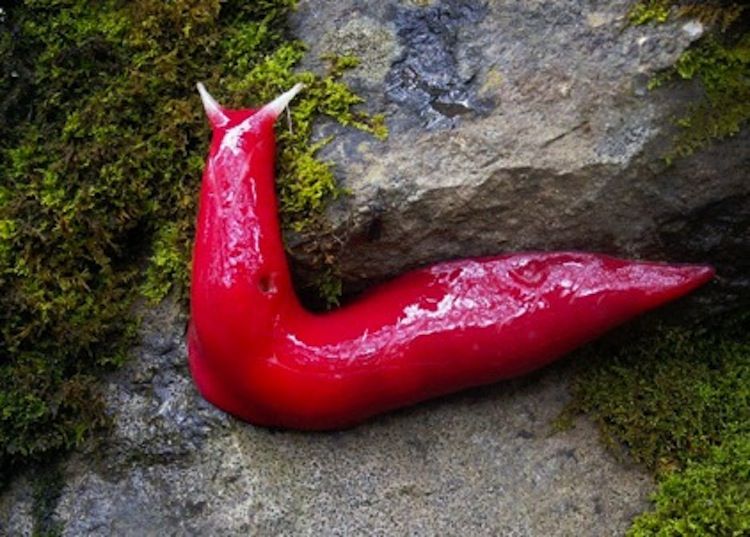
[289, 121]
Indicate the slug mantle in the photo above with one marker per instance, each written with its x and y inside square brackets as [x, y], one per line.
[255, 352]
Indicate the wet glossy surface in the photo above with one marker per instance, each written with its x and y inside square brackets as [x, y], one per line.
[255, 352]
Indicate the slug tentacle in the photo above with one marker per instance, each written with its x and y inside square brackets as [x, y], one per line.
[275, 107]
[214, 111]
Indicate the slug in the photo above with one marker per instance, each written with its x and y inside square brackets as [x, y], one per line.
[256, 353]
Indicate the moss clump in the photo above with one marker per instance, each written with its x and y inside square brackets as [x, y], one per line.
[677, 399]
[102, 143]
[711, 497]
[672, 396]
[720, 61]
[650, 11]
[723, 69]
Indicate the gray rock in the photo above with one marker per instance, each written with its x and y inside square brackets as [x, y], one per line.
[16, 506]
[519, 126]
[485, 462]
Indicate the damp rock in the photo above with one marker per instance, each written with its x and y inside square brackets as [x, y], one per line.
[521, 126]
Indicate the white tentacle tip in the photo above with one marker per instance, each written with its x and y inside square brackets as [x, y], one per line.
[278, 105]
[214, 111]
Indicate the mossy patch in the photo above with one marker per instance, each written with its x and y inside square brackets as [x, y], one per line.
[650, 11]
[672, 395]
[676, 399]
[720, 62]
[102, 144]
[710, 497]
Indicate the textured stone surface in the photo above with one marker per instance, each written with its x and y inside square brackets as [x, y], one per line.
[482, 463]
[520, 126]
[16, 508]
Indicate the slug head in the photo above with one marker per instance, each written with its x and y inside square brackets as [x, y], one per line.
[221, 118]
[240, 273]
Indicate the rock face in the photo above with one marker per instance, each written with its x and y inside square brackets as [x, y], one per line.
[481, 463]
[521, 126]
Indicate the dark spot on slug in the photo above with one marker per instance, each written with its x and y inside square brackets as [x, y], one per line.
[266, 284]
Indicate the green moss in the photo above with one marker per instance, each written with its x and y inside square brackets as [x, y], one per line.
[168, 264]
[720, 62]
[711, 497]
[102, 144]
[329, 284]
[650, 11]
[723, 68]
[675, 400]
[672, 395]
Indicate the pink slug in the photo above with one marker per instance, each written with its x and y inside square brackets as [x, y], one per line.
[255, 352]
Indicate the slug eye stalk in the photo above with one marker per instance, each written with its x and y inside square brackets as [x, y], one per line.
[275, 107]
[255, 352]
[218, 117]
[214, 112]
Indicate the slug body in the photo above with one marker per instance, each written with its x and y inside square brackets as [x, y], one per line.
[255, 352]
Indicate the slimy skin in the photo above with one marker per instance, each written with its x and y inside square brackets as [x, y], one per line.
[256, 353]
